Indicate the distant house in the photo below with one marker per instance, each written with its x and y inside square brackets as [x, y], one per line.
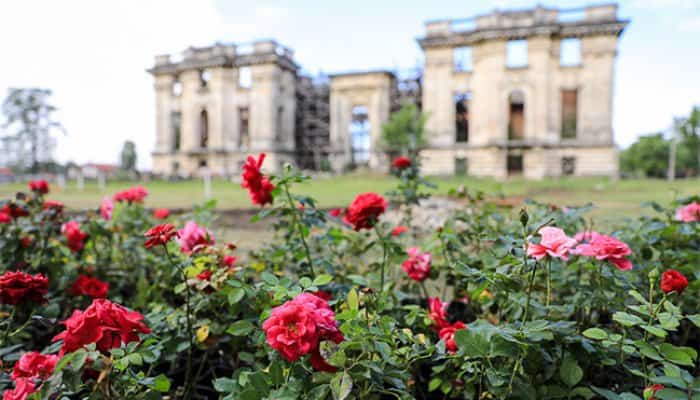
[93, 170]
[6, 175]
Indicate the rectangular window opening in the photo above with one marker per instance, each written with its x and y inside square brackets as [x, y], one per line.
[516, 54]
[569, 111]
[460, 166]
[515, 164]
[570, 52]
[243, 127]
[463, 59]
[245, 77]
[568, 166]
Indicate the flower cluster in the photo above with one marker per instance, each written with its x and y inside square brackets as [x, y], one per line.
[689, 213]
[89, 286]
[23, 388]
[104, 323]
[446, 331]
[39, 186]
[417, 266]
[75, 238]
[19, 287]
[365, 210]
[259, 186]
[296, 328]
[34, 365]
[134, 194]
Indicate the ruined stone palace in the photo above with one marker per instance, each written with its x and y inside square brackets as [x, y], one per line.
[526, 92]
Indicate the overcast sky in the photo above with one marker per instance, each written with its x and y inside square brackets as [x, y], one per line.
[93, 54]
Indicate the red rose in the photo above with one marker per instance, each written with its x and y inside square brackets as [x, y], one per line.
[88, 286]
[229, 260]
[673, 281]
[104, 323]
[75, 238]
[53, 205]
[336, 212]
[322, 294]
[650, 391]
[604, 247]
[448, 335]
[296, 327]
[159, 235]
[438, 313]
[34, 365]
[23, 388]
[402, 162]
[417, 266]
[39, 186]
[365, 210]
[135, 194]
[19, 287]
[161, 213]
[399, 230]
[14, 210]
[5, 218]
[26, 241]
[259, 186]
[204, 275]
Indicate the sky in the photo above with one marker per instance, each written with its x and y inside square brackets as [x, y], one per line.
[94, 54]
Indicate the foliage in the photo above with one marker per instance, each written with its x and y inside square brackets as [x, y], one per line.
[128, 156]
[648, 157]
[548, 328]
[404, 131]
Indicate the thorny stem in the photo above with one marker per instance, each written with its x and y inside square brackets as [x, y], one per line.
[425, 289]
[384, 256]
[297, 224]
[549, 281]
[531, 281]
[188, 368]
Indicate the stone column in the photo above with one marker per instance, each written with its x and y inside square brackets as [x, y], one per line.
[438, 97]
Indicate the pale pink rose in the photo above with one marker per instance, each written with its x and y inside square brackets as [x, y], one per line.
[604, 247]
[689, 213]
[193, 235]
[106, 208]
[554, 243]
[586, 236]
[417, 266]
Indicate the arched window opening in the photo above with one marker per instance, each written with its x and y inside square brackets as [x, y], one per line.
[516, 116]
[176, 124]
[462, 104]
[204, 78]
[203, 129]
[360, 135]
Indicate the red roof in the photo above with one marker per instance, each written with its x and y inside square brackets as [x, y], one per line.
[6, 171]
[102, 167]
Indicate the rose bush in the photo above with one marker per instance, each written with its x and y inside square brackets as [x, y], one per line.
[123, 302]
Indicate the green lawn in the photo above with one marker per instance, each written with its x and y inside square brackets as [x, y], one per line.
[614, 200]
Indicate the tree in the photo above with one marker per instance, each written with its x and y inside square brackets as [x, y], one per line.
[649, 157]
[29, 123]
[690, 132]
[128, 156]
[404, 130]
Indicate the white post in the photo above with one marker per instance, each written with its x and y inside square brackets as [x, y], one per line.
[61, 181]
[207, 183]
[101, 181]
[80, 181]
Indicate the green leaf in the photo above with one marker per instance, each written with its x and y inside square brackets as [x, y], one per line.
[353, 301]
[472, 343]
[341, 386]
[570, 373]
[595, 333]
[434, 384]
[235, 295]
[677, 355]
[694, 319]
[319, 392]
[161, 384]
[323, 279]
[670, 394]
[240, 328]
[655, 330]
[626, 319]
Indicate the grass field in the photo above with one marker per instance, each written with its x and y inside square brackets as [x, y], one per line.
[614, 199]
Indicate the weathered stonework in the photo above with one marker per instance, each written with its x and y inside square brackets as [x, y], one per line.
[540, 119]
[491, 83]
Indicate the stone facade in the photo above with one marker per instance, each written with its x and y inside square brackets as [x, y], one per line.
[539, 118]
[514, 113]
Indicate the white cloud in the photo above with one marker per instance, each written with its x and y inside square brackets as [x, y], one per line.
[271, 12]
[689, 25]
[665, 4]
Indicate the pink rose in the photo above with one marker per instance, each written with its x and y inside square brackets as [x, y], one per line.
[689, 213]
[193, 235]
[604, 247]
[417, 266]
[554, 243]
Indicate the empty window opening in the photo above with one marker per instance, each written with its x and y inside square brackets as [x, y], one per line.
[515, 164]
[203, 129]
[570, 52]
[516, 54]
[360, 135]
[245, 77]
[176, 127]
[460, 166]
[278, 122]
[177, 88]
[202, 163]
[463, 59]
[243, 128]
[204, 78]
[462, 104]
[569, 117]
[576, 15]
[516, 116]
[568, 166]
